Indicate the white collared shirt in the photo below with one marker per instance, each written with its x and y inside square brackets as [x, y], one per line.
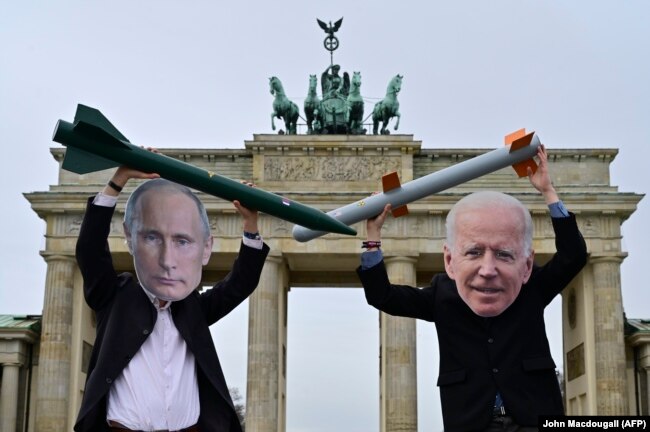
[158, 389]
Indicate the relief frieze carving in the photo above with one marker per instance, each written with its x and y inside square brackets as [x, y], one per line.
[280, 228]
[71, 225]
[590, 226]
[74, 225]
[217, 226]
[332, 168]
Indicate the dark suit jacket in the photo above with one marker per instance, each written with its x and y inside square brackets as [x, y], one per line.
[126, 316]
[479, 356]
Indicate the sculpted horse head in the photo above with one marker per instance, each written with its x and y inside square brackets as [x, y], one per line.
[355, 84]
[313, 83]
[394, 85]
[275, 86]
[388, 107]
[282, 107]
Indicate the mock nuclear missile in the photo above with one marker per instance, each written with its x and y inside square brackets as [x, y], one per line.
[94, 144]
[518, 152]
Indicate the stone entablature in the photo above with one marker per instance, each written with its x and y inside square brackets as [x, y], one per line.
[298, 166]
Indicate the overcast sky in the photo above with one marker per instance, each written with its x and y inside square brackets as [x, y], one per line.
[194, 74]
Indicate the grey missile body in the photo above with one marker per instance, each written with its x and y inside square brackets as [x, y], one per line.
[425, 186]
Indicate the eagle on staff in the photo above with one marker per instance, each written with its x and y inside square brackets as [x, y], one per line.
[330, 29]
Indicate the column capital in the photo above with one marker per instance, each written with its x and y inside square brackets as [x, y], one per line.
[275, 257]
[609, 258]
[58, 256]
[410, 258]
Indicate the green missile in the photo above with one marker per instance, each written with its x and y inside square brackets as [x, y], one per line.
[94, 144]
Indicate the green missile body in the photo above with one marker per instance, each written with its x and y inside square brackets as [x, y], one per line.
[94, 144]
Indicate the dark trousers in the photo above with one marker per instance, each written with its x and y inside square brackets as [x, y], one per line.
[507, 424]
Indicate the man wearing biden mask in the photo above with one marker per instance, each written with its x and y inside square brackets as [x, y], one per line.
[154, 366]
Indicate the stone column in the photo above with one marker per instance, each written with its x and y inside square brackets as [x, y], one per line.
[398, 386]
[647, 395]
[644, 362]
[56, 335]
[611, 388]
[9, 397]
[265, 383]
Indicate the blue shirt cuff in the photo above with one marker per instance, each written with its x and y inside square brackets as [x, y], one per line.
[558, 210]
[371, 259]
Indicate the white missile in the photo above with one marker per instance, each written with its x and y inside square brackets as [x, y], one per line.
[519, 152]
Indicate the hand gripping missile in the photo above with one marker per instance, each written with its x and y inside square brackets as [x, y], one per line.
[519, 151]
[95, 144]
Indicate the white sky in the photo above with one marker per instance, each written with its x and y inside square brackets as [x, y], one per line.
[195, 74]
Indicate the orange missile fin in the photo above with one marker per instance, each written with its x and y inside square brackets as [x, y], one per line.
[389, 182]
[517, 140]
[400, 211]
[511, 137]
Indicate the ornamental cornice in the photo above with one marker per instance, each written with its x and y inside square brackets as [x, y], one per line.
[638, 339]
[25, 335]
[180, 153]
[329, 145]
[574, 154]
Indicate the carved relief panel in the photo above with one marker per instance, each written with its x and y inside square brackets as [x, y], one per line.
[330, 169]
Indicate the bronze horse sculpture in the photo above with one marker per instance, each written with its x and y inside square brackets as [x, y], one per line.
[312, 106]
[355, 106]
[388, 107]
[282, 107]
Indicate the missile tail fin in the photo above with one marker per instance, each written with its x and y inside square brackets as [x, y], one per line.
[82, 162]
[521, 168]
[389, 182]
[94, 117]
[400, 211]
[517, 140]
[512, 137]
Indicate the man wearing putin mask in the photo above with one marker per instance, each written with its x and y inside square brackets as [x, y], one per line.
[154, 366]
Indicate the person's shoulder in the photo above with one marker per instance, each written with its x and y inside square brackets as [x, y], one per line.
[442, 279]
[126, 279]
[443, 287]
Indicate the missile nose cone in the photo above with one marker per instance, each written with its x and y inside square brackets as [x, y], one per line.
[327, 224]
[303, 235]
[336, 226]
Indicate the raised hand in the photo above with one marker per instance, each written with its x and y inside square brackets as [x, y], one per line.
[374, 224]
[541, 179]
[248, 215]
[124, 173]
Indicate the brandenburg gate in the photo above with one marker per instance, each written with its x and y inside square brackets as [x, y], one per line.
[329, 171]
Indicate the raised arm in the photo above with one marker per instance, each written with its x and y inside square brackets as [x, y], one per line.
[541, 179]
[92, 251]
